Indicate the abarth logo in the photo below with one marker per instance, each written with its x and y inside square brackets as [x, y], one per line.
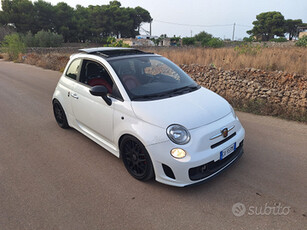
[224, 132]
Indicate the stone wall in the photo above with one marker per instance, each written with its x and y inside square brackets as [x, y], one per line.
[285, 89]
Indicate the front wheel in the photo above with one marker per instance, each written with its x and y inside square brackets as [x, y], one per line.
[136, 158]
[59, 114]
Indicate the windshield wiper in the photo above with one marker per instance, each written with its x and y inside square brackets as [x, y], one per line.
[166, 94]
[151, 96]
[185, 88]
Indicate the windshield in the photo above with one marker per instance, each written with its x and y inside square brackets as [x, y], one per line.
[152, 78]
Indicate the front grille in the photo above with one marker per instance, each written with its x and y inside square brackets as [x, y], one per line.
[223, 141]
[210, 168]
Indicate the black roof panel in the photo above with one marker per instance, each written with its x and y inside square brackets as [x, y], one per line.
[112, 51]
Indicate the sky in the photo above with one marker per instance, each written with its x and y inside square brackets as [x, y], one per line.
[217, 17]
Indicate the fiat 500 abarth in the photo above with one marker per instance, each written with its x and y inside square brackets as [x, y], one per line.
[147, 111]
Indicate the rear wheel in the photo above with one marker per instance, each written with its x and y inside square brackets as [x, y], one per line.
[60, 115]
[136, 158]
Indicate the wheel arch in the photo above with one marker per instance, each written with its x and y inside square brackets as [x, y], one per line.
[128, 135]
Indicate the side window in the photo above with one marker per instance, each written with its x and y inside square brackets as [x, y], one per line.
[73, 69]
[93, 73]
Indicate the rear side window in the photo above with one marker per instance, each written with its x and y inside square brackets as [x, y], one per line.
[73, 69]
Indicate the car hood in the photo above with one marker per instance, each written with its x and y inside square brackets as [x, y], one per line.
[191, 110]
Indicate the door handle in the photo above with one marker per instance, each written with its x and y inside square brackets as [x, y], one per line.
[74, 95]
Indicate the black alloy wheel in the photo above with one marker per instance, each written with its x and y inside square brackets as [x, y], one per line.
[59, 115]
[136, 158]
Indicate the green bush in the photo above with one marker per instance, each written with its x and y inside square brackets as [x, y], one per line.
[13, 46]
[111, 42]
[156, 41]
[48, 39]
[249, 39]
[188, 41]
[43, 39]
[302, 42]
[29, 40]
[281, 39]
[215, 43]
[203, 37]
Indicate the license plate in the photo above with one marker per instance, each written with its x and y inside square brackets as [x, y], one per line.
[227, 151]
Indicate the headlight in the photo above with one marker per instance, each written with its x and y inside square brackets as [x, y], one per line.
[233, 112]
[178, 134]
[178, 153]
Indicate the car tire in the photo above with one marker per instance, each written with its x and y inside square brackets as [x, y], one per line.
[59, 114]
[136, 158]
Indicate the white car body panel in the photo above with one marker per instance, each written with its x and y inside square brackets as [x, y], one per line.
[191, 110]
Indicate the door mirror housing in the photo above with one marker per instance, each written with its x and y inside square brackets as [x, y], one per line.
[101, 91]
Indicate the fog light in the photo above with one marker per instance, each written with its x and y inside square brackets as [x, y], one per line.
[178, 153]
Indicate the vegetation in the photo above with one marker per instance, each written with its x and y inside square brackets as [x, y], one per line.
[281, 39]
[249, 39]
[302, 42]
[291, 27]
[248, 49]
[13, 46]
[175, 41]
[83, 24]
[215, 43]
[203, 39]
[268, 25]
[5, 30]
[188, 41]
[43, 39]
[290, 59]
[111, 42]
[271, 24]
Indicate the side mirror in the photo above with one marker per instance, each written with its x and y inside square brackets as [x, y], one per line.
[101, 91]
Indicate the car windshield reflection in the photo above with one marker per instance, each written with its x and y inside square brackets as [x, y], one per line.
[152, 77]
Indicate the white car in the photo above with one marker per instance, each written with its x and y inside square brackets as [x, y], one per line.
[144, 109]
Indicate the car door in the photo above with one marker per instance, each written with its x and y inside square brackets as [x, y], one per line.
[92, 115]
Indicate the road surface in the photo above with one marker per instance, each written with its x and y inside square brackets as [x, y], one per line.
[52, 178]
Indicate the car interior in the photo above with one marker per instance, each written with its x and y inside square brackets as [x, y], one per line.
[94, 74]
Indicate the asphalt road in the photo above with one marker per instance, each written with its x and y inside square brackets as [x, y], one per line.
[52, 178]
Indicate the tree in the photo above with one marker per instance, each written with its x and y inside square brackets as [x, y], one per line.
[203, 37]
[64, 23]
[83, 24]
[5, 30]
[19, 13]
[291, 27]
[92, 23]
[268, 25]
[114, 20]
[141, 15]
[44, 15]
[188, 41]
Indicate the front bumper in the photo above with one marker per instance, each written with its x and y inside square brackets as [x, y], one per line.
[214, 168]
[203, 157]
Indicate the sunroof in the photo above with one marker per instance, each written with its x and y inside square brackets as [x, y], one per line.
[113, 52]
